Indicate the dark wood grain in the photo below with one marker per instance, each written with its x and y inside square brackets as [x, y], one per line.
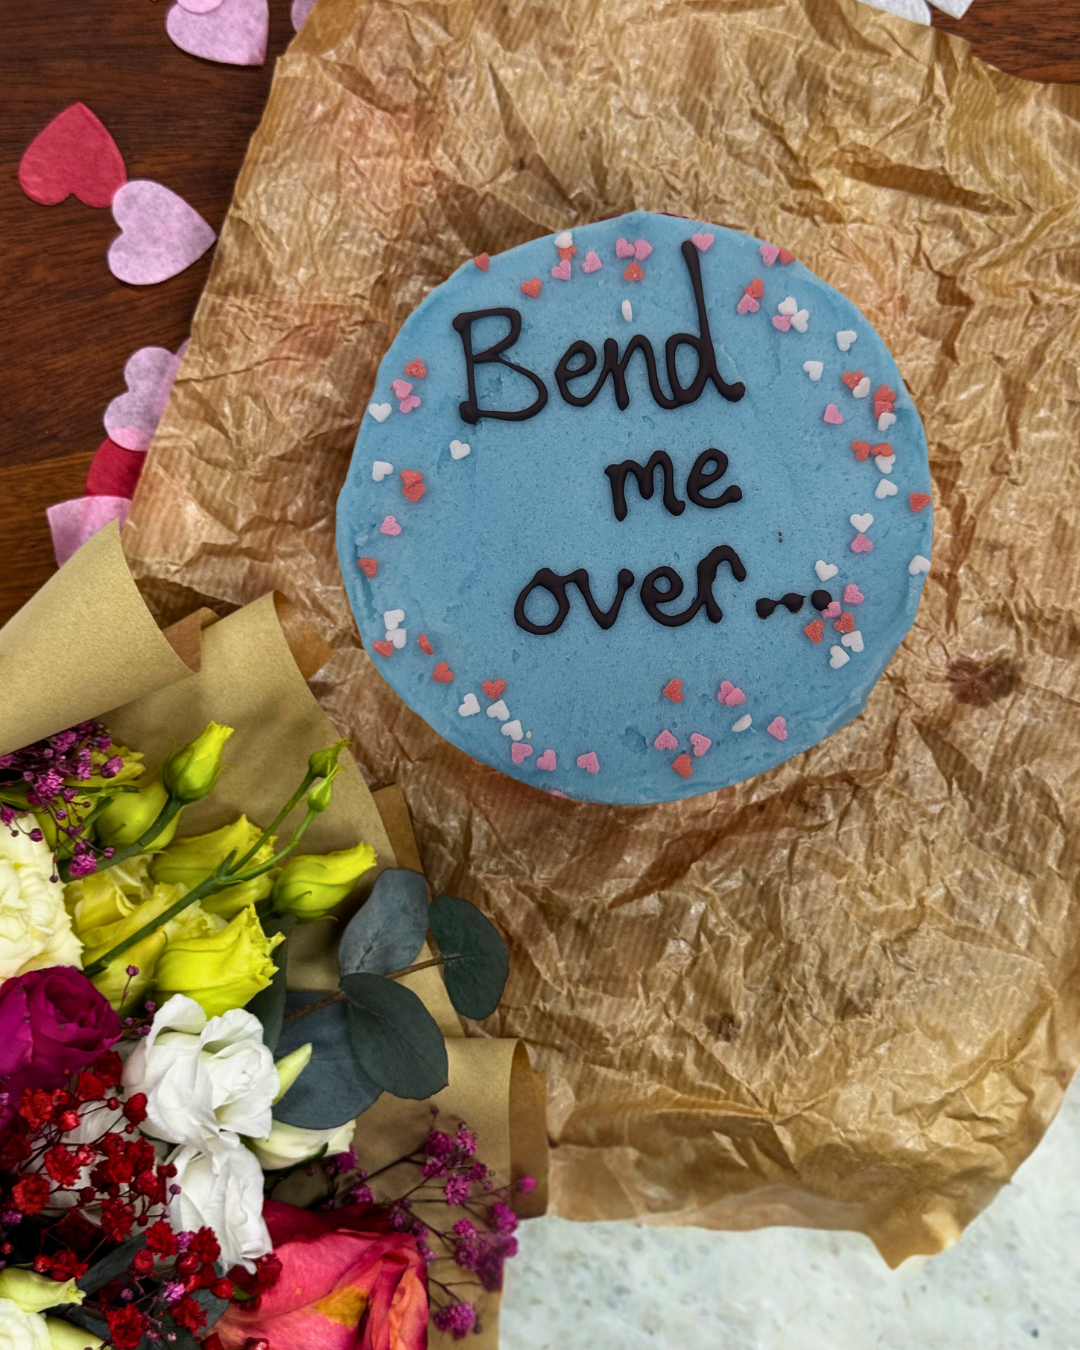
[68, 325]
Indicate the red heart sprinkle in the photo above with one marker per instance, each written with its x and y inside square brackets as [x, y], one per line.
[845, 623]
[368, 566]
[882, 448]
[919, 500]
[493, 688]
[410, 477]
[814, 631]
[424, 643]
[442, 673]
[850, 377]
[683, 766]
[74, 153]
[756, 288]
[384, 648]
[415, 492]
[633, 272]
[566, 253]
[531, 287]
[416, 369]
[861, 448]
[883, 394]
[786, 257]
[483, 261]
[673, 690]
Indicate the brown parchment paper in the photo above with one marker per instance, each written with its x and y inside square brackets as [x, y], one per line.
[842, 994]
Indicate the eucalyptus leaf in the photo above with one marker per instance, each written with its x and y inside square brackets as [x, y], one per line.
[394, 1037]
[117, 1261]
[333, 1088]
[79, 1317]
[268, 1005]
[475, 960]
[388, 932]
[213, 1306]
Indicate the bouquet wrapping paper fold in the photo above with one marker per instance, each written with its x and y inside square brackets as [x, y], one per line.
[846, 992]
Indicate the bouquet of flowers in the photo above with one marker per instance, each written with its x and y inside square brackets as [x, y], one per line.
[161, 1090]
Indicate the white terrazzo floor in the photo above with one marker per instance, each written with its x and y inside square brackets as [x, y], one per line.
[1012, 1280]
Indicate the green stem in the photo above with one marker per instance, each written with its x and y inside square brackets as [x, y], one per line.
[339, 997]
[293, 801]
[168, 813]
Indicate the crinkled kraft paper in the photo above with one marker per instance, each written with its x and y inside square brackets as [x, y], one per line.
[844, 993]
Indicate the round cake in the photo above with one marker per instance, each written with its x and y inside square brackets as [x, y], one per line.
[637, 511]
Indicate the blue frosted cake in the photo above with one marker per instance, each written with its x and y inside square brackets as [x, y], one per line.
[637, 511]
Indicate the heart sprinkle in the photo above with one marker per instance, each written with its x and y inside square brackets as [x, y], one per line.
[883, 450]
[531, 288]
[815, 631]
[627, 311]
[730, 694]
[633, 272]
[683, 766]
[862, 522]
[383, 648]
[838, 657]
[845, 338]
[885, 489]
[885, 463]
[852, 378]
[853, 640]
[393, 618]
[845, 623]
[562, 272]
[416, 369]
[862, 389]
[401, 388]
[368, 566]
[783, 322]
[747, 305]
[786, 257]
[641, 249]
[884, 399]
[673, 691]
[469, 706]
[442, 673]
[408, 403]
[483, 261]
[789, 306]
[380, 468]
[831, 610]
[380, 411]
[665, 741]
[918, 564]
[741, 725]
[424, 643]
[397, 636]
[547, 761]
[862, 450]
[520, 751]
[833, 415]
[459, 449]
[702, 242]
[918, 500]
[826, 571]
[412, 485]
[499, 710]
[800, 320]
[592, 263]
[814, 369]
[700, 743]
[885, 421]
[588, 762]
[769, 253]
[564, 240]
[390, 525]
[852, 594]
[493, 688]
[756, 289]
[623, 248]
[778, 728]
[860, 544]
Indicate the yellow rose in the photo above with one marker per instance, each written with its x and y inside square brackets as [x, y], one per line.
[222, 970]
[129, 815]
[188, 862]
[310, 885]
[189, 774]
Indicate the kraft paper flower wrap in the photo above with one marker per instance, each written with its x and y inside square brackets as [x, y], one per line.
[844, 994]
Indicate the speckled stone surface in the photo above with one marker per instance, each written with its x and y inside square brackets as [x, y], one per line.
[1011, 1281]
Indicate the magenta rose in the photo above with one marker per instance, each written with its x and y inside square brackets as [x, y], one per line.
[53, 1023]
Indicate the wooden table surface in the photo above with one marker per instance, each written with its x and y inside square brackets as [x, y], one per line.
[69, 326]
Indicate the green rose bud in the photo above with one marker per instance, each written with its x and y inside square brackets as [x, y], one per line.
[129, 815]
[323, 761]
[290, 1068]
[33, 1292]
[187, 862]
[222, 970]
[64, 1336]
[310, 885]
[189, 774]
[318, 799]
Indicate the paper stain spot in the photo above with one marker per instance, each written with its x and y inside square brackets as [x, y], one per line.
[979, 683]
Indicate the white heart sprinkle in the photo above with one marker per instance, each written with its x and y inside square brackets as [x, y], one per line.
[469, 706]
[885, 421]
[862, 523]
[885, 489]
[499, 710]
[813, 369]
[564, 240]
[628, 311]
[885, 462]
[853, 641]
[380, 469]
[392, 617]
[396, 636]
[826, 571]
[845, 338]
[918, 564]
[838, 657]
[862, 389]
[799, 321]
[380, 411]
[743, 722]
[512, 729]
[788, 306]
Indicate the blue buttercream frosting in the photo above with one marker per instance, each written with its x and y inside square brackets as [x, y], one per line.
[443, 558]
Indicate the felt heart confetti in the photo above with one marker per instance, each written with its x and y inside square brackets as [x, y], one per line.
[838, 657]
[918, 564]
[499, 710]
[73, 154]
[380, 468]
[390, 526]
[114, 471]
[380, 411]
[512, 729]
[493, 688]
[665, 741]
[833, 415]
[469, 706]
[700, 743]
[702, 242]
[825, 571]
[519, 751]
[885, 489]
[299, 12]
[160, 234]
[442, 673]
[852, 594]
[673, 691]
[73, 522]
[531, 288]
[424, 643]
[815, 631]
[547, 761]
[369, 566]
[743, 723]
[416, 369]
[633, 272]
[778, 728]
[769, 253]
[592, 263]
[918, 500]
[383, 648]
[589, 762]
[853, 641]
[233, 33]
[483, 261]
[730, 694]
[860, 544]
[459, 449]
[562, 272]
[132, 418]
[747, 305]
[683, 766]
[845, 338]
[627, 311]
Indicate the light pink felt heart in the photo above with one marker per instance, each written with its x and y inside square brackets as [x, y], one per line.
[131, 419]
[641, 249]
[160, 235]
[520, 751]
[72, 523]
[747, 305]
[860, 544]
[199, 6]
[408, 403]
[234, 33]
[833, 415]
[699, 742]
[702, 242]
[624, 248]
[591, 264]
[300, 10]
[562, 272]
[831, 610]
[589, 762]
[401, 388]
[546, 760]
[778, 728]
[783, 322]
[665, 741]
[390, 525]
[852, 594]
[769, 253]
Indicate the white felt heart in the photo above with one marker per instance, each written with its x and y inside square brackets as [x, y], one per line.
[160, 234]
[800, 320]
[845, 338]
[234, 33]
[380, 411]
[853, 641]
[459, 449]
[788, 306]
[918, 564]
[862, 389]
[564, 240]
[381, 467]
[744, 721]
[885, 421]
[469, 705]
[885, 462]
[862, 523]
[838, 657]
[499, 710]
[885, 489]
[131, 419]
[826, 571]
[397, 636]
[392, 617]
[628, 311]
[814, 369]
[512, 729]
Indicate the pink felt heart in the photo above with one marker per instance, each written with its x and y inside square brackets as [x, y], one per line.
[778, 728]
[562, 272]
[591, 264]
[641, 249]
[401, 388]
[234, 33]
[852, 594]
[114, 471]
[702, 242]
[408, 403]
[623, 248]
[747, 305]
[589, 762]
[546, 760]
[74, 153]
[390, 526]
[73, 522]
[833, 415]
[520, 751]
[199, 6]
[831, 610]
[300, 10]
[860, 544]
[783, 322]
[699, 742]
[160, 234]
[665, 741]
[131, 419]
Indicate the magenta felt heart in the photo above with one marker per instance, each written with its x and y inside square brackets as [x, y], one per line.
[72, 523]
[234, 33]
[74, 153]
[131, 419]
[160, 235]
[114, 471]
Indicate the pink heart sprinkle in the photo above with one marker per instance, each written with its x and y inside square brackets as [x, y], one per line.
[702, 242]
[591, 264]
[409, 403]
[734, 697]
[860, 544]
[588, 762]
[833, 415]
[770, 253]
[546, 760]
[783, 322]
[401, 388]
[852, 594]
[778, 728]
[390, 526]
[665, 741]
[554, 792]
[699, 742]
[520, 751]
[747, 305]
[623, 248]
[562, 272]
[641, 249]
[832, 610]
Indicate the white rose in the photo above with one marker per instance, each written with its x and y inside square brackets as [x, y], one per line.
[289, 1144]
[35, 929]
[224, 1193]
[21, 1330]
[94, 1121]
[206, 1080]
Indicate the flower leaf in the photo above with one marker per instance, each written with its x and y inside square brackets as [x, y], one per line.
[389, 930]
[268, 1005]
[394, 1037]
[115, 1263]
[333, 1088]
[476, 962]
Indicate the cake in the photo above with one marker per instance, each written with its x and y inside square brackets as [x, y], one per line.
[636, 511]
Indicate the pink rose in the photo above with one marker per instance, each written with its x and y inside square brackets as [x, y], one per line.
[346, 1283]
